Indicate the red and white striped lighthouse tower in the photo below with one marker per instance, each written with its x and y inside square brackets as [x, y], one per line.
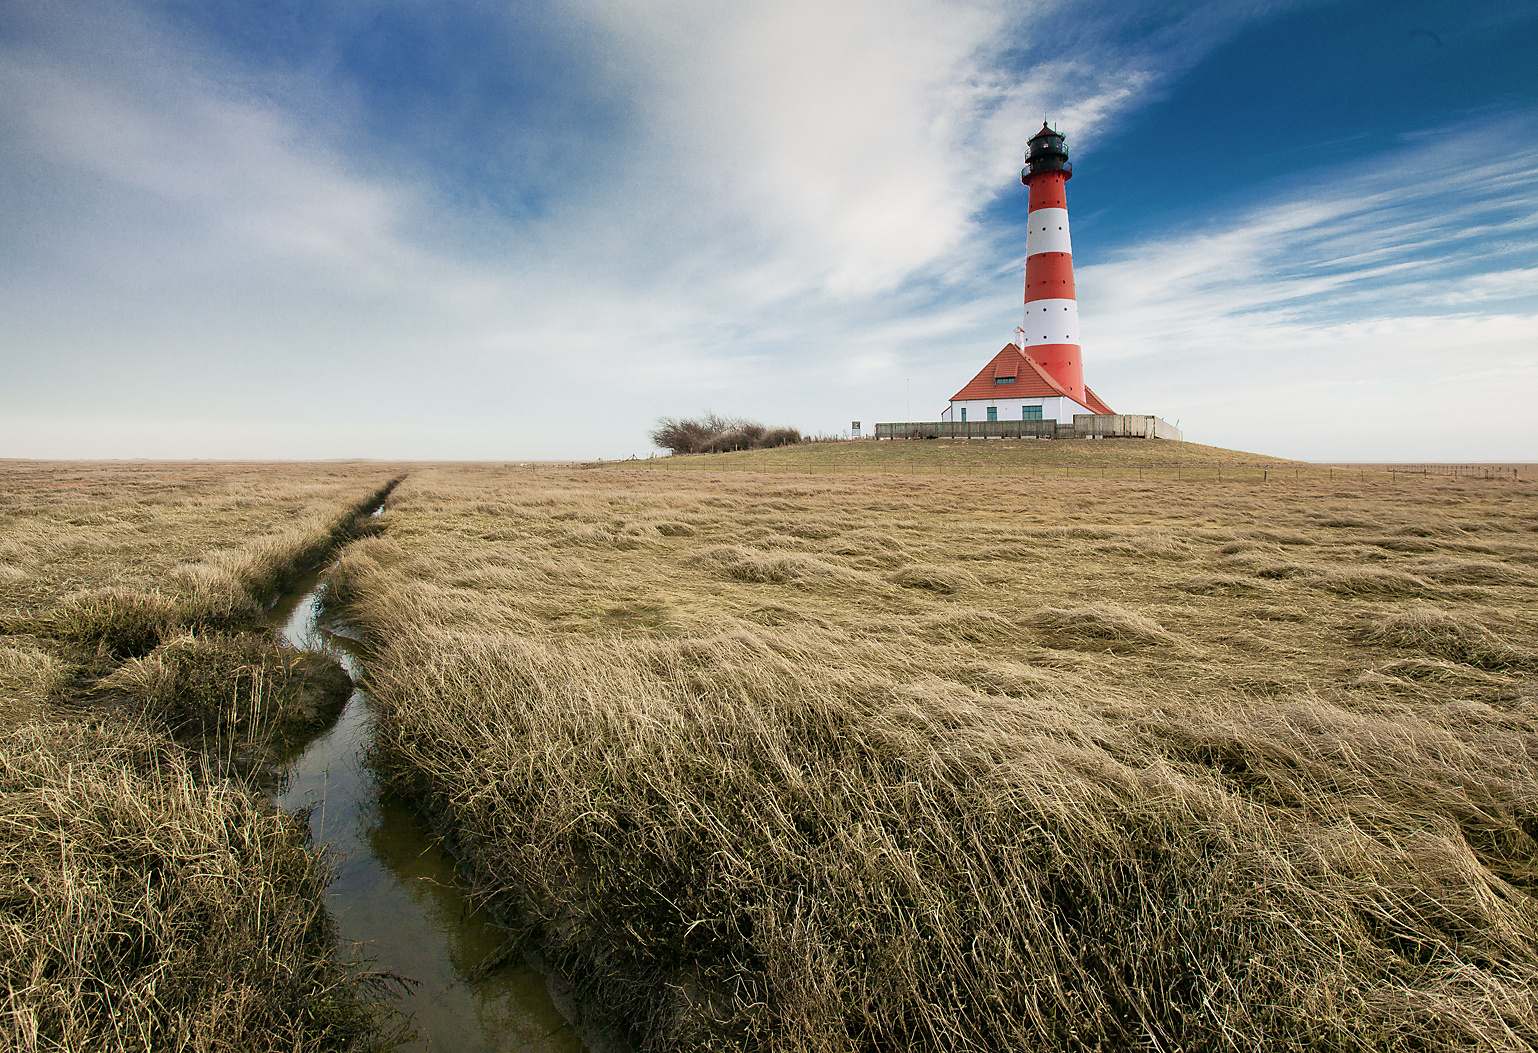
[1041, 375]
[1050, 332]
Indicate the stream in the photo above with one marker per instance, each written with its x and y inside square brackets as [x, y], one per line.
[395, 897]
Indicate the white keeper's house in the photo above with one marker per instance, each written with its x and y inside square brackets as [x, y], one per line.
[1014, 387]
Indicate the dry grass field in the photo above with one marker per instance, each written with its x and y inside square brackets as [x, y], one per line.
[151, 898]
[893, 759]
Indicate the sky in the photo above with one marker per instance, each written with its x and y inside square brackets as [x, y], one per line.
[429, 230]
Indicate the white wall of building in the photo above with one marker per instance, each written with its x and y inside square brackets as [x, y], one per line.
[1055, 408]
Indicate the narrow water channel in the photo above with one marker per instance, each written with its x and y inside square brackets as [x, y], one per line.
[395, 894]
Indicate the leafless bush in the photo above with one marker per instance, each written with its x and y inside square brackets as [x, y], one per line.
[715, 434]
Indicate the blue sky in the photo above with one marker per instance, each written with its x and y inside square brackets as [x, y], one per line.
[410, 229]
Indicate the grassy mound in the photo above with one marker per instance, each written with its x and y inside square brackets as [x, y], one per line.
[245, 693]
[1083, 458]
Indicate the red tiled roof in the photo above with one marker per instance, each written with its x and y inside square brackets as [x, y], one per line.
[1094, 401]
[1031, 381]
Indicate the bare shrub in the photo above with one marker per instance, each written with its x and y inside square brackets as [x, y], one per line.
[715, 434]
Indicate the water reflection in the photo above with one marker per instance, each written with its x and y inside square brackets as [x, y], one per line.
[394, 892]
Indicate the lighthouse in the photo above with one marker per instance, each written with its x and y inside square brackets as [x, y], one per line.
[1050, 330]
[1040, 376]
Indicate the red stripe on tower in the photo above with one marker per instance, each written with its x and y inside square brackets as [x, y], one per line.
[1050, 331]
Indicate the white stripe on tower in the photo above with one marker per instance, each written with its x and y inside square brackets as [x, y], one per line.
[1047, 231]
[1051, 322]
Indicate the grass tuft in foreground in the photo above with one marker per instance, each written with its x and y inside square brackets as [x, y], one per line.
[151, 906]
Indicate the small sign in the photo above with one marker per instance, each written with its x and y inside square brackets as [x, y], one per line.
[854, 428]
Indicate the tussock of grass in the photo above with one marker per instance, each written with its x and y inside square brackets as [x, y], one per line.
[673, 528]
[243, 691]
[1411, 543]
[1374, 581]
[1282, 537]
[936, 579]
[874, 548]
[1100, 622]
[1001, 553]
[1160, 544]
[151, 907]
[1279, 613]
[1445, 672]
[1219, 585]
[124, 622]
[29, 677]
[1274, 570]
[1242, 546]
[976, 625]
[1455, 636]
[1477, 572]
[1013, 678]
[775, 568]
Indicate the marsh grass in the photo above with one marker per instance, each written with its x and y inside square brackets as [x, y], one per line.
[752, 792]
[150, 895]
[150, 905]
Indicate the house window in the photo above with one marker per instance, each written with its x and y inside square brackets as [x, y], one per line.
[1003, 380]
[1030, 413]
[993, 413]
[963, 413]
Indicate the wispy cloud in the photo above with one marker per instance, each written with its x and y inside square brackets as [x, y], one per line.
[1398, 292]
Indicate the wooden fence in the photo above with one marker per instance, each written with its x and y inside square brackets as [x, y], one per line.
[1084, 426]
